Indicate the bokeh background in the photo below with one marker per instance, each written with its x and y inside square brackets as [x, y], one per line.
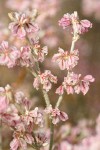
[77, 106]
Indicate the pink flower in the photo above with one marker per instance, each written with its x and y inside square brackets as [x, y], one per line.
[84, 26]
[5, 97]
[33, 116]
[83, 85]
[22, 100]
[45, 79]
[25, 57]
[14, 144]
[11, 118]
[40, 52]
[3, 100]
[74, 83]
[56, 114]
[41, 139]
[60, 90]
[22, 24]
[66, 60]
[19, 143]
[65, 21]
[22, 137]
[8, 55]
[78, 27]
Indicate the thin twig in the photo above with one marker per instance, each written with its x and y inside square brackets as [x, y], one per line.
[51, 135]
[59, 101]
[46, 97]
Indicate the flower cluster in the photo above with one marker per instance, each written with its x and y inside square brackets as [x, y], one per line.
[80, 137]
[74, 83]
[23, 23]
[25, 57]
[8, 55]
[11, 56]
[78, 27]
[39, 52]
[56, 115]
[4, 98]
[45, 79]
[15, 112]
[66, 60]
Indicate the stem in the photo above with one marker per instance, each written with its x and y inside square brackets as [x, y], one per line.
[75, 36]
[72, 45]
[52, 125]
[36, 145]
[59, 101]
[1, 135]
[46, 97]
[60, 97]
[37, 66]
[51, 135]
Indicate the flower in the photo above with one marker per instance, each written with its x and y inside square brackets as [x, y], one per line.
[45, 79]
[56, 114]
[40, 52]
[11, 118]
[22, 100]
[21, 140]
[5, 97]
[25, 57]
[72, 20]
[33, 116]
[42, 139]
[66, 60]
[65, 21]
[74, 83]
[23, 23]
[3, 100]
[8, 55]
[83, 85]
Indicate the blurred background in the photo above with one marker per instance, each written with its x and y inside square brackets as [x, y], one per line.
[77, 106]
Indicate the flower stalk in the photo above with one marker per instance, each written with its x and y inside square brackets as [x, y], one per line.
[51, 135]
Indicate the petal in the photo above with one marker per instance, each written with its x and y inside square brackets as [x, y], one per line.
[4, 45]
[21, 32]
[63, 116]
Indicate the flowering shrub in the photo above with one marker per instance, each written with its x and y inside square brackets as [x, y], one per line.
[16, 110]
